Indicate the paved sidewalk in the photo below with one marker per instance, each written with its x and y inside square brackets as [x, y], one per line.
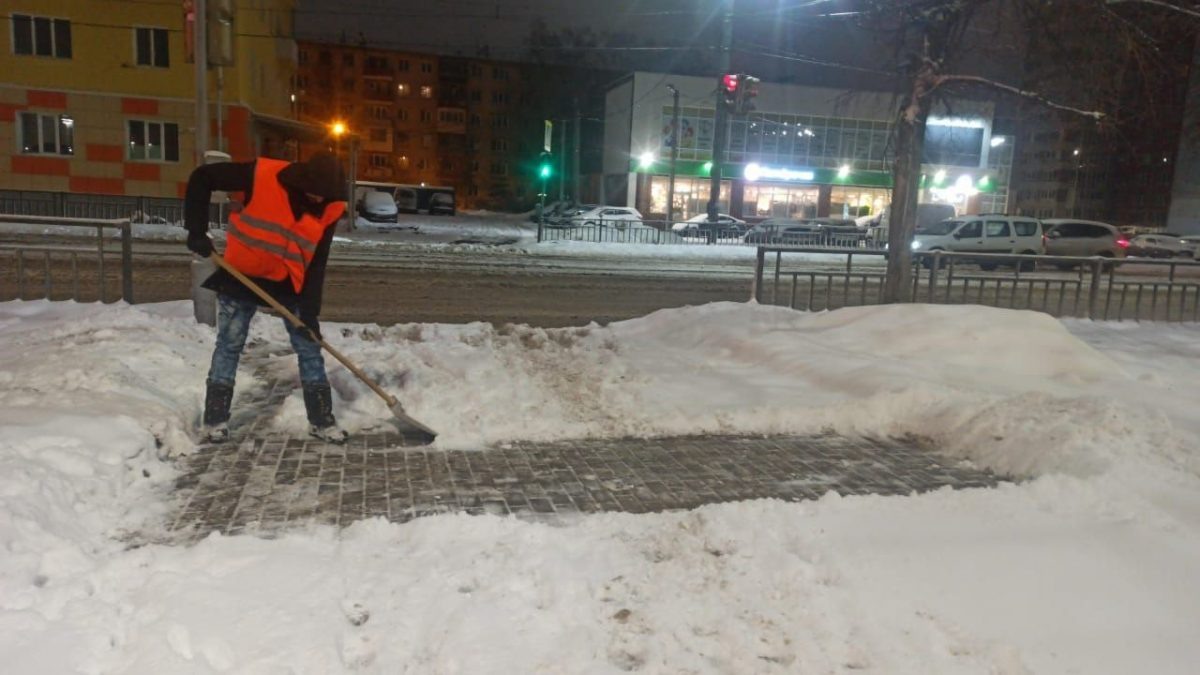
[267, 482]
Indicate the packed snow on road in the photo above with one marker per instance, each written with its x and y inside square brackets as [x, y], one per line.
[1086, 563]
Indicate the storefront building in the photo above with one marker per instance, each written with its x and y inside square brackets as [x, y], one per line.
[805, 152]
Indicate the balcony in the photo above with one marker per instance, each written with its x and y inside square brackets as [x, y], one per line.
[451, 121]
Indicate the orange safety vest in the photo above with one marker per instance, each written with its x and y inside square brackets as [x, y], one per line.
[265, 240]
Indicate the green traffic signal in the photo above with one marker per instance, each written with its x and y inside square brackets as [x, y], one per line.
[544, 171]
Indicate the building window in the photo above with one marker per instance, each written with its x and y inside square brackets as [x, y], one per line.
[426, 116]
[302, 57]
[421, 164]
[403, 90]
[153, 141]
[348, 59]
[427, 141]
[476, 70]
[475, 165]
[302, 82]
[348, 84]
[377, 62]
[326, 58]
[473, 190]
[451, 116]
[47, 134]
[379, 161]
[426, 91]
[499, 121]
[426, 67]
[402, 65]
[474, 119]
[41, 36]
[476, 95]
[499, 169]
[500, 146]
[402, 115]
[499, 74]
[403, 161]
[379, 135]
[447, 165]
[380, 112]
[499, 97]
[150, 47]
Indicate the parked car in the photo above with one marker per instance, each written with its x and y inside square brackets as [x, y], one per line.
[928, 214]
[565, 212]
[1193, 244]
[376, 206]
[441, 203]
[982, 234]
[1070, 237]
[805, 232]
[726, 226]
[1159, 245]
[607, 216]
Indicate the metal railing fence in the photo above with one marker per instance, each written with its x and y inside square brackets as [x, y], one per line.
[138, 210]
[1095, 288]
[21, 260]
[691, 233]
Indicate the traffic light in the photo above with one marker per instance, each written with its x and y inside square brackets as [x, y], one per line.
[545, 167]
[729, 89]
[747, 90]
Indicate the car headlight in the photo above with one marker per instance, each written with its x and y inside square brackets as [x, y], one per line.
[916, 245]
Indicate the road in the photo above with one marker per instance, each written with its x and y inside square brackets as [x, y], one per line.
[396, 282]
[429, 285]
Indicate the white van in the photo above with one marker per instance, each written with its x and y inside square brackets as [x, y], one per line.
[983, 234]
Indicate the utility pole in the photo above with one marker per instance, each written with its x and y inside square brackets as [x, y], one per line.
[721, 117]
[562, 160]
[200, 55]
[575, 155]
[674, 154]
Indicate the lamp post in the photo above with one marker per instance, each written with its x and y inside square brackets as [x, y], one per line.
[1075, 189]
[338, 128]
[674, 154]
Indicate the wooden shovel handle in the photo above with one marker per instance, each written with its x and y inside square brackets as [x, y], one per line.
[295, 321]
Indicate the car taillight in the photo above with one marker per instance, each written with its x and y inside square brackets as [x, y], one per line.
[1123, 243]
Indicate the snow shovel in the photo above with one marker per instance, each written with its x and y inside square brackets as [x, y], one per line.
[391, 401]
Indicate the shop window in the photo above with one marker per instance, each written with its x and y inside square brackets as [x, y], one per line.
[779, 201]
[691, 196]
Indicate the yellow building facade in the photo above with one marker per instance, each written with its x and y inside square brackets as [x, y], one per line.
[97, 96]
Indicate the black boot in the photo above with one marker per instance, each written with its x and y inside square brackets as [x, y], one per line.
[318, 401]
[217, 401]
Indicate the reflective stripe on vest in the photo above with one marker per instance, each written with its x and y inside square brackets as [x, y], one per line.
[247, 239]
[280, 230]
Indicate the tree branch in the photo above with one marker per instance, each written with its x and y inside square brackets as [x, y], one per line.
[1017, 91]
[1161, 3]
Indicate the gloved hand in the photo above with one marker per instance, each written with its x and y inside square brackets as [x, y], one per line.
[313, 325]
[200, 244]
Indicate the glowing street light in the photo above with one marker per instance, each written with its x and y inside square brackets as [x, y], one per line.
[708, 167]
[646, 159]
[939, 177]
[338, 128]
[843, 171]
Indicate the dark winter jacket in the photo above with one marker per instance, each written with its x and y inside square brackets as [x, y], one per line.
[239, 177]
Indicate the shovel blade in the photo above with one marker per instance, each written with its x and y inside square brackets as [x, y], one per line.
[410, 425]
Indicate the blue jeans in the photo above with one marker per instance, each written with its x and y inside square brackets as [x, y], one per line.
[233, 324]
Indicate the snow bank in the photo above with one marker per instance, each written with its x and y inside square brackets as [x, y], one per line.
[1013, 390]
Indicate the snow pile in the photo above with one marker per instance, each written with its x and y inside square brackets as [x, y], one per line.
[1013, 390]
[1087, 568]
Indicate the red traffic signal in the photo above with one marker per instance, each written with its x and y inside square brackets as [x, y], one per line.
[730, 83]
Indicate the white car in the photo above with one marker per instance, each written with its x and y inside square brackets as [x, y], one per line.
[1161, 245]
[982, 234]
[726, 224]
[377, 206]
[619, 217]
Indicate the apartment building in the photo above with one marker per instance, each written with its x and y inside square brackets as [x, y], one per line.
[424, 118]
[97, 96]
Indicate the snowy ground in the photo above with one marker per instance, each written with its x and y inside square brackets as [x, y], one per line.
[1088, 567]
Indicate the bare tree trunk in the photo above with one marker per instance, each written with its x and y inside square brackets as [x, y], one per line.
[906, 179]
